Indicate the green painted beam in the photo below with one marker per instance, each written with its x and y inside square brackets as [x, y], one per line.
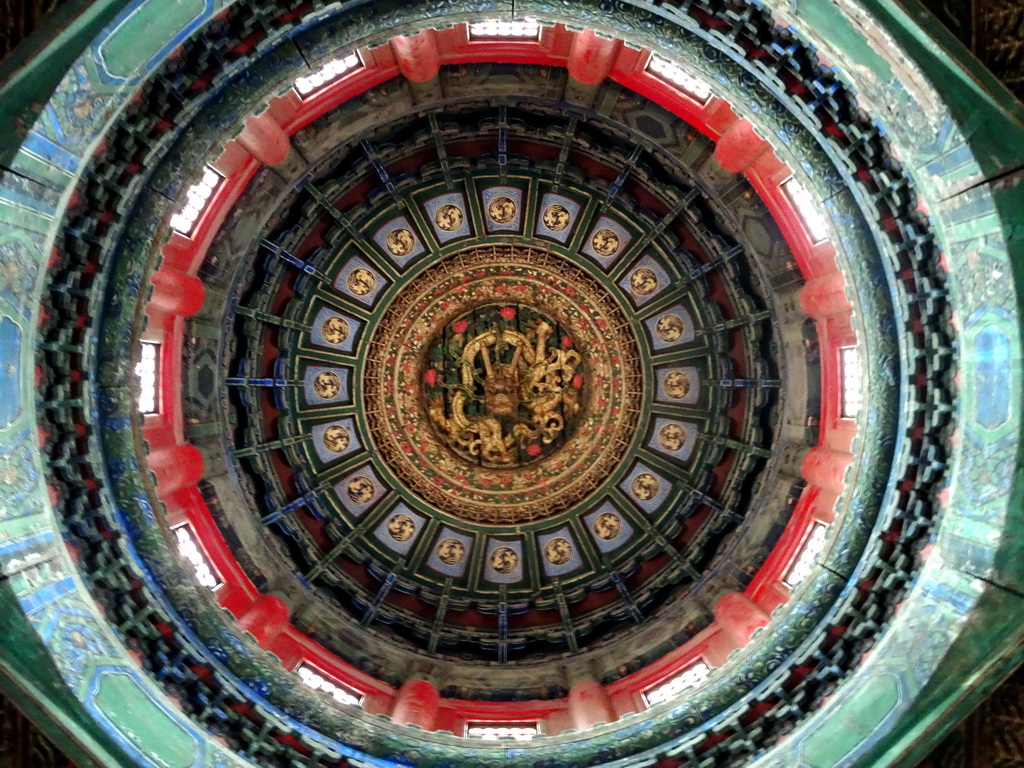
[30, 74]
[972, 672]
[29, 678]
[995, 133]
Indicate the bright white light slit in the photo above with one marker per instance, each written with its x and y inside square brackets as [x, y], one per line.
[147, 372]
[494, 732]
[849, 364]
[674, 75]
[691, 677]
[497, 29]
[198, 197]
[804, 563]
[327, 74]
[318, 681]
[189, 548]
[808, 211]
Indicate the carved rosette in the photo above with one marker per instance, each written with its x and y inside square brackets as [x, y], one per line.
[503, 385]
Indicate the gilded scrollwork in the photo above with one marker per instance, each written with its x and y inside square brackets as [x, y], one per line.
[514, 394]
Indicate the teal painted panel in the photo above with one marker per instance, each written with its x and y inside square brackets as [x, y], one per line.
[139, 724]
[861, 716]
[992, 368]
[141, 37]
[10, 372]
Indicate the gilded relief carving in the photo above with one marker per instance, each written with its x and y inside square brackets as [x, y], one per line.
[558, 551]
[671, 437]
[360, 489]
[504, 560]
[605, 243]
[327, 385]
[361, 281]
[502, 210]
[645, 486]
[450, 551]
[607, 526]
[677, 385]
[336, 438]
[400, 242]
[557, 217]
[643, 281]
[448, 217]
[670, 328]
[503, 385]
[335, 330]
[504, 396]
[401, 527]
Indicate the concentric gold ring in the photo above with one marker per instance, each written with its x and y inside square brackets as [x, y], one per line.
[415, 430]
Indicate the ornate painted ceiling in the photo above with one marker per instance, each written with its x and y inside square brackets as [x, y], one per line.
[618, 386]
[510, 385]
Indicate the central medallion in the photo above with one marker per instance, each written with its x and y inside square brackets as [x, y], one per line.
[503, 385]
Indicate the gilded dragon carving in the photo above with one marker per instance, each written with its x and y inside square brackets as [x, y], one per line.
[514, 393]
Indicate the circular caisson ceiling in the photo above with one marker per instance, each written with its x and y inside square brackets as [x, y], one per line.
[505, 383]
[499, 376]
[387, 229]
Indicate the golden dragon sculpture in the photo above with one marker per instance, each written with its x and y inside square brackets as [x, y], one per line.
[534, 389]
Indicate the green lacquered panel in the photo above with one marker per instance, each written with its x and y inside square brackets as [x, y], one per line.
[828, 746]
[849, 42]
[141, 722]
[141, 35]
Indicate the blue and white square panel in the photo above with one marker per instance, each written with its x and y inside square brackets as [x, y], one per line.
[503, 561]
[607, 241]
[359, 490]
[608, 528]
[671, 328]
[679, 385]
[447, 215]
[674, 438]
[556, 217]
[324, 385]
[646, 488]
[450, 554]
[559, 553]
[644, 280]
[335, 439]
[334, 330]
[399, 241]
[399, 530]
[503, 207]
[360, 281]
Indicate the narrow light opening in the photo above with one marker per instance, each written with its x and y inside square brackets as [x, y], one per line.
[691, 677]
[807, 210]
[496, 29]
[189, 548]
[330, 72]
[502, 731]
[804, 562]
[683, 81]
[147, 370]
[850, 371]
[197, 201]
[320, 681]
